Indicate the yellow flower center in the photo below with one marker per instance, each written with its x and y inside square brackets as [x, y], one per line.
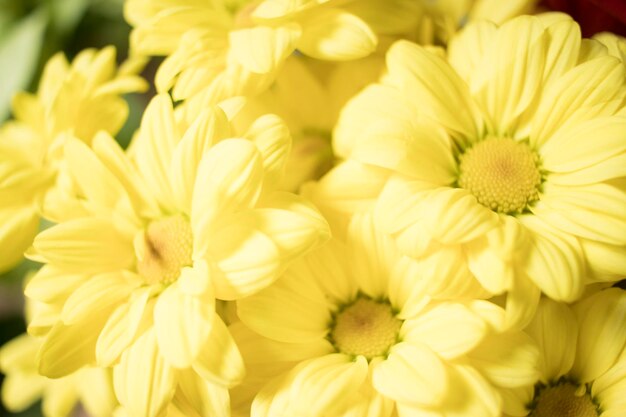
[502, 173]
[365, 327]
[163, 249]
[564, 400]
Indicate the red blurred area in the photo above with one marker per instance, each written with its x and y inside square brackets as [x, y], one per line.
[594, 15]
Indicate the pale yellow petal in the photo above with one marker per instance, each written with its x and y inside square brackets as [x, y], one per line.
[84, 245]
[123, 326]
[334, 34]
[555, 330]
[51, 285]
[602, 335]
[18, 227]
[95, 390]
[263, 49]
[210, 127]
[412, 374]
[182, 324]
[448, 329]
[219, 360]
[144, 383]
[228, 180]
[59, 399]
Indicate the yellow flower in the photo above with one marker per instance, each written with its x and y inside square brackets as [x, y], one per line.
[192, 217]
[220, 49]
[510, 156]
[349, 331]
[309, 95]
[78, 100]
[583, 358]
[23, 386]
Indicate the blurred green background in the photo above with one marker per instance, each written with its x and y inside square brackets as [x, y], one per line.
[31, 31]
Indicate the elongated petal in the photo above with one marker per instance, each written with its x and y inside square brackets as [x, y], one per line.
[219, 360]
[412, 374]
[448, 329]
[555, 330]
[337, 35]
[602, 335]
[228, 180]
[50, 284]
[210, 127]
[98, 294]
[182, 323]
[124, 325]
[84, 245]
[262, 49]
[144, 382]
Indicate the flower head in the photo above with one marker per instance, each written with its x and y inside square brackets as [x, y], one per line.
[350, 328]
[507, 153]
[154, 239]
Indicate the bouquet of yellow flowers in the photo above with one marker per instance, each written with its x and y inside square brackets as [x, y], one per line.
[331, 208]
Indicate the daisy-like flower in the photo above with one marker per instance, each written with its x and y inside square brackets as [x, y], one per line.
[583, 358]
[76, 99]
[90, 386]
[348, 331]
[218, 49]
[509, 154]
[151, 242]
[309, 95]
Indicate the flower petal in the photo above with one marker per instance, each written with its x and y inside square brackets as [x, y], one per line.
[144, 382]
[263, 49]
[182, 324]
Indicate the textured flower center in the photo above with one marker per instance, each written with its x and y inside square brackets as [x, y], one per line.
[564, 400]
[163, 249]
[365, 327]
[503, 174]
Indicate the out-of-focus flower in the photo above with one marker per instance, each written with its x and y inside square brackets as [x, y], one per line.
[76, 100]
[309, 95]
[220, 49]
[349, 331]
[135, 266]
[509, 154]
[90, 386]
[583, 358]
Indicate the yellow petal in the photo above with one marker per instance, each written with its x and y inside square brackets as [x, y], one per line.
[210, 127]
[601, 336]
[228, 180]
[18, 227]
[555, 330]
[182, 324]
[196, 397]
[412, 374]
[322, 384]
[333, 34]
[262, 49]
[84, 245]
[21, 390]
[271, 136]
[95, 389]
[554, 261]
[60, 398]
[124, 325]
[144, 382]
[433, 83]
[507, 360]
[100, 293]
[219, 360]
[448, 329]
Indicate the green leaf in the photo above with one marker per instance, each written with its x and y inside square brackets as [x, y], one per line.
[20, 49]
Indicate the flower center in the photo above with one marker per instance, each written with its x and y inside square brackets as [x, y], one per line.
[365, 327]
[502, 173]
[564, 400]
[163, 249]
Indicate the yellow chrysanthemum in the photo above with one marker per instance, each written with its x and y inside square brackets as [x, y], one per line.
[23, 386]
[583, 358]
[73, 100]
[309, 95]
[349, 331]
[154, 241]
[219, 49]
[510, 156]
